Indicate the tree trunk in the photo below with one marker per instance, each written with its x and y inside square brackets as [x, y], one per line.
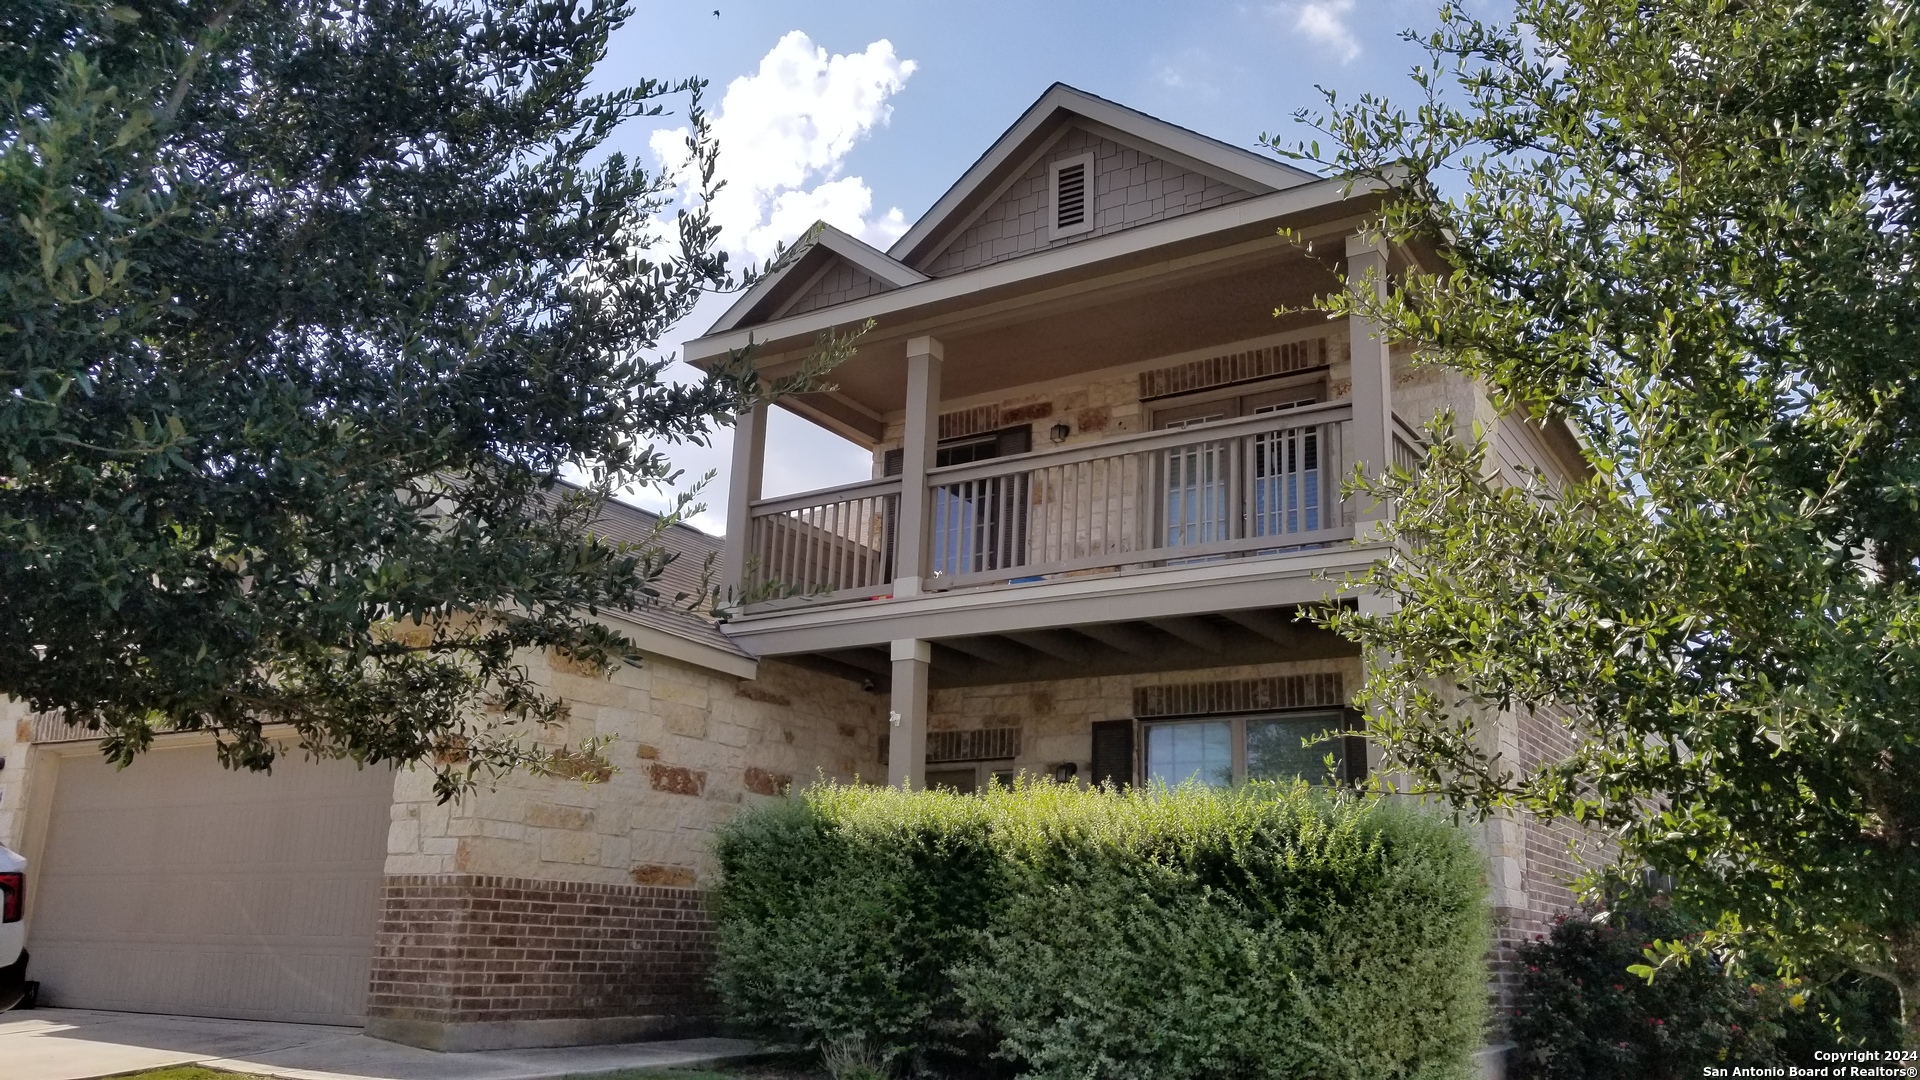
[1906, 977]
[1909, 983]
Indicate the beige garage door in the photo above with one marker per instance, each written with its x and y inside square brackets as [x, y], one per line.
[178, 886]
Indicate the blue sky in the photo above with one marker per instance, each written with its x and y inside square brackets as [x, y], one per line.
[864, 113]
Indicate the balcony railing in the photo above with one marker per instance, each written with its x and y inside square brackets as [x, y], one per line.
[1258, 484]
[836, 543]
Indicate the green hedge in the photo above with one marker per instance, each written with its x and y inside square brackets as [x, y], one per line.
[1581, 1015]
[1262, 932]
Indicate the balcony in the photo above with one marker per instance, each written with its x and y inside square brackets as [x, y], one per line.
[1188, 509]
[1257, 485]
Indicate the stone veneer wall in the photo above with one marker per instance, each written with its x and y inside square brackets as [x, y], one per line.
[552, 912]
[1105, 404]
[1055, 718]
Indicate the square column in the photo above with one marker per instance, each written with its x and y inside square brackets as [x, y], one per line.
[907, 737]
[1371, 442]
[917, 456]
[743, 490]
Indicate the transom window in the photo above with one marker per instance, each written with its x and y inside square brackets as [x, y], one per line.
[1220, 751]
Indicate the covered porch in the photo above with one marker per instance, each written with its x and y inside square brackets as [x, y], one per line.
[1111, 471]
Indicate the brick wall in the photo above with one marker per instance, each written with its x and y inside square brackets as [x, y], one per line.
[1550, 855]
[474, 952]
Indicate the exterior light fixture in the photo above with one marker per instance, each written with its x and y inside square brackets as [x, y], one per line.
[1059, 433]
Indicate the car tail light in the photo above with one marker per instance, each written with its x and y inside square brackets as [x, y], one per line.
[13, 896]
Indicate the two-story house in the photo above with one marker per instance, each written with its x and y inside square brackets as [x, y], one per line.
[1106, 481]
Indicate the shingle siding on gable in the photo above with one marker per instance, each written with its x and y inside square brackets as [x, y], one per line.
[842, 282]
[1130, 188]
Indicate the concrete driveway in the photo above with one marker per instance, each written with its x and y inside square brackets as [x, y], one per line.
[78, 1044]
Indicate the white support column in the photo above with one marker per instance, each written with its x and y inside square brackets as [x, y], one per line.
[923, 416]
[907, 732]
[743, 490]
[1371, 441]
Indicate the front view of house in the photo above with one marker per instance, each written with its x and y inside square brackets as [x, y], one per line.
[1106, 481]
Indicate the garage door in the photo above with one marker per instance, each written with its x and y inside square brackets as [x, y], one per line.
[178, 886]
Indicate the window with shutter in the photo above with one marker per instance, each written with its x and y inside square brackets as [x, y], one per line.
[1072, 186]
[1281, 746]
[1113, 752]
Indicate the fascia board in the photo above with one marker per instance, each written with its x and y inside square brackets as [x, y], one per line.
[1258, 172]
[655, 642]
[872, 260]
[1006, 146]
[869, 259]
[1277, 581]
[1279, 204]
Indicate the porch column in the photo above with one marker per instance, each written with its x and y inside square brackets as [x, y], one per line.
[916, 457]
[743, 490]
[1370, 442]
[907, 734]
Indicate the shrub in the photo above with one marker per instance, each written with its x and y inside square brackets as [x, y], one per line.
[1581, 1016]
[840, 912]
[1267, 931]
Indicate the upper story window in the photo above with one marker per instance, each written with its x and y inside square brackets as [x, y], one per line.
[1071, 182]
[966, 449]
[1244, 401]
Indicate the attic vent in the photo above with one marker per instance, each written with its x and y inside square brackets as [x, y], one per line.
[1072, 195]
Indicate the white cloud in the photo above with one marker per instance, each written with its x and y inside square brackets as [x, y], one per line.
[1325, 22]
[785, 131]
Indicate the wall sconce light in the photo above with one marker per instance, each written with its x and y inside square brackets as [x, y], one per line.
[1059, 433]
[1064, 772]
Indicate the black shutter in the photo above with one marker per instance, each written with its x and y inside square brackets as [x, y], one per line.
[1354, 750]
[1112, 753]
[893, 462]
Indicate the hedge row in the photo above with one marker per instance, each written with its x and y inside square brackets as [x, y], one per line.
[1059, 931]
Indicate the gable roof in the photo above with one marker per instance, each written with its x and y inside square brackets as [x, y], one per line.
[1043, 121]
[667, 627]
[805, 263]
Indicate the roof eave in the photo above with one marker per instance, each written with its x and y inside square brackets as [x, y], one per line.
[1274, 206]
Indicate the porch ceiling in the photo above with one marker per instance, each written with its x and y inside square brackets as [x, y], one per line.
[1189, 642]
[999, 348]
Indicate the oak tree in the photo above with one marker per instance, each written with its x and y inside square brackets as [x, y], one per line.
[305, 305]
[1688, 229]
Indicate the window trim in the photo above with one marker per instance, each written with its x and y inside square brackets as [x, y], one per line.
[1233, 400]
[1054, 229]
[1338, 719]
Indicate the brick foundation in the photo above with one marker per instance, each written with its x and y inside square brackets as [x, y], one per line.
[471, 962]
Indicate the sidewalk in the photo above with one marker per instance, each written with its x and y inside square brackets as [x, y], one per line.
[78, 1044]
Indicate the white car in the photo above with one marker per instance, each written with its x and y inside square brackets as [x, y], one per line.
[13, 928]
